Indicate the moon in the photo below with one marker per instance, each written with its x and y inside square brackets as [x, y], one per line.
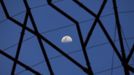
[66, 39]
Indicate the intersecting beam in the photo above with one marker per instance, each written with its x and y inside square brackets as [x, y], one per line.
[101, 25]
[43, 38]
[19, 62]
[39, 39]
[124, 63]
[105, 32]
[78, 31]
[96, 18]
[19, 44]
[124, 60]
